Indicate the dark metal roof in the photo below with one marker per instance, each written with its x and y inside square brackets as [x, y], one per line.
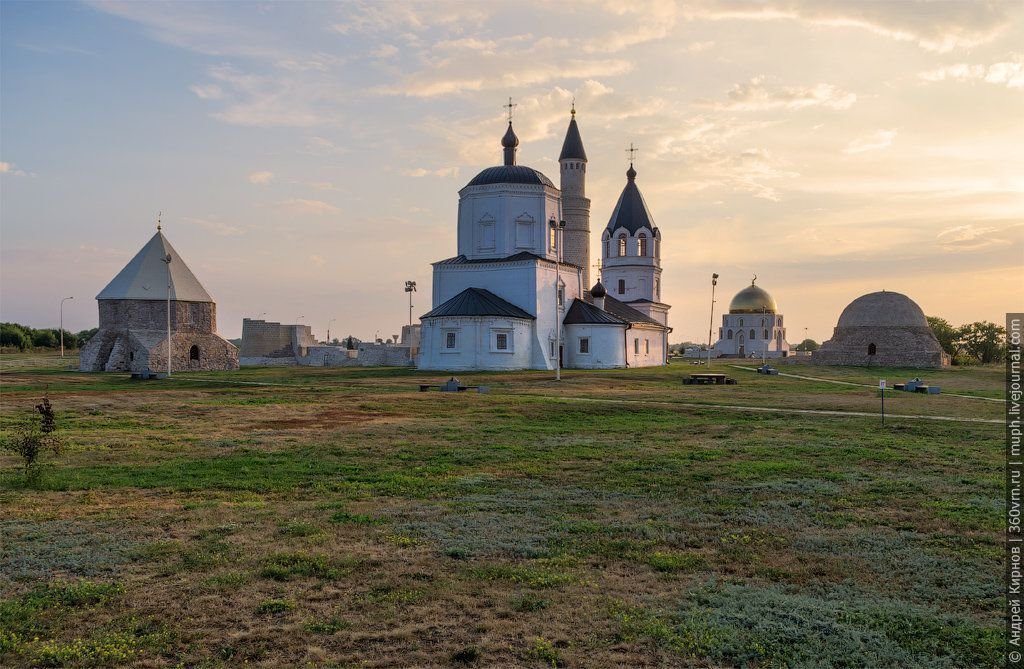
[510, 174]
[478, 302]
[516, 257]
[581, 312]
[623, 311]
[631, 211]
[572, 147]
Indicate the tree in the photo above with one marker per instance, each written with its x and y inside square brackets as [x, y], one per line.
[45, 339]
[806, 345]
[85, 335]
[33, 440]
[14, 335]
[983, 341]
[947, 335]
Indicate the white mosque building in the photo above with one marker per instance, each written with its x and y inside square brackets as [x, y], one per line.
[515, 296]
[753, 328]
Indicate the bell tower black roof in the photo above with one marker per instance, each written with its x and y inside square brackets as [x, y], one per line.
[631, 211]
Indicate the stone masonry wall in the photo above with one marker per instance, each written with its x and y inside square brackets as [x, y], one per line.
[268, 339]
[894, 347]
[152, 315]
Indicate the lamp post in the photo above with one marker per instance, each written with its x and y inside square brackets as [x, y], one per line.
[764, 347]
[329, 329]
[410, 287]
[167, 261]
[711, 324]
[557, 229]
[62, 324]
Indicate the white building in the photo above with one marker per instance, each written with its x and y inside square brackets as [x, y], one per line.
[494, 304]
[753, 328]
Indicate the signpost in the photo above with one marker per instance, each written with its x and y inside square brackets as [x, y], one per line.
[881, 388]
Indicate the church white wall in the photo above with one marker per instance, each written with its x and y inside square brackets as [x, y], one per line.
[654, 311]
[631, 276]
[741, 343]
[496, 221]
[645, 347]
[605, 346]
[476, 344]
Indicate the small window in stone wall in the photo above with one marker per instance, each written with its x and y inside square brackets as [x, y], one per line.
[622, 286]
[647, 346]
[193, 353]
[872, 349]
[584, 344]
[501, 341]
[636, 345]
[753, 335]
[729, 336]
[449, 340]
[131, 356]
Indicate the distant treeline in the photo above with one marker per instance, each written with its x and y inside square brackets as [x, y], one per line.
[22, 337]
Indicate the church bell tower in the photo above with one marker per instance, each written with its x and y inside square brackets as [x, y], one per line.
[575, 205]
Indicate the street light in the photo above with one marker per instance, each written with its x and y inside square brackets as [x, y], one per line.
[711, 324]
[167, 261]
[410, 287]
[557, 230]
[329, 329]
[62, 324]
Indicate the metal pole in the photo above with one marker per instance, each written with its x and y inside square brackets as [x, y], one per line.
[711, 324]
[764, 347]
[62, 324]
[167, 261]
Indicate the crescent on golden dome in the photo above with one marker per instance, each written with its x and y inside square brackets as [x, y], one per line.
[752, 300]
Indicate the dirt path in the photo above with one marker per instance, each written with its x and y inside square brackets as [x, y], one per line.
[861, 385]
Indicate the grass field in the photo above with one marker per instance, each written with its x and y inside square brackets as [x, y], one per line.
[340, 518]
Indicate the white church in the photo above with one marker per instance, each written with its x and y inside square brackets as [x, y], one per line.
[516, 295]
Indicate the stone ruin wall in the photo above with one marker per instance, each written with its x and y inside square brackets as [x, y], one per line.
[152, 315]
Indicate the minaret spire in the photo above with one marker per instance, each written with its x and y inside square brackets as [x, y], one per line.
[575, 205]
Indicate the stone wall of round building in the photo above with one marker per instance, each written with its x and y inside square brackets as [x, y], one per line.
[878, 346]
[152, 315]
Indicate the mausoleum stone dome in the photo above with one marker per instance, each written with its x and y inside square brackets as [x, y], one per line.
[882, 329]
[882, 309]
[752, 300]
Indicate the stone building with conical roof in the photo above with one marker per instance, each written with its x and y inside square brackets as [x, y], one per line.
[753, 328]
[134, 309]
[515, 296]
[882, 329]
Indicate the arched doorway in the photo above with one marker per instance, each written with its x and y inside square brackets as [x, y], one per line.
[742, 349]
[872, 349]
[193, 353]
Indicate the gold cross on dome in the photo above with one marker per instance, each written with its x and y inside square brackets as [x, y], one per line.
[632, 150]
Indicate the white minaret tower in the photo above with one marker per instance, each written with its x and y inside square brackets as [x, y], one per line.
[575, 205]
[631, 253]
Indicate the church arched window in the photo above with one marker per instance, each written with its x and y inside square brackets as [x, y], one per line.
[741, 322]
[641, 244]
[622, 244]
[729, 334]
[766, 336]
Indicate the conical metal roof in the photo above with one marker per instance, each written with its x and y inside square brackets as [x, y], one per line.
[631, 210]
[572, 147]
[145, 276]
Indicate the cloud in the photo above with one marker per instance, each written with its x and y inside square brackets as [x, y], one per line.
[880, 139]
[1009, 73]
[440, 172]
[307, 207]
[10, 168]
[317, 260]
[207, 92]
[261, 178]
[970, 237]
[755, 95]
[514, 75]
[217, 227]
[385, 51]
[933, 26]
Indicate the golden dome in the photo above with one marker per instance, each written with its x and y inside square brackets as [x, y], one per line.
[752, 300]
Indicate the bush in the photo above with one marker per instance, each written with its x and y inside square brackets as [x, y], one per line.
[32, 441]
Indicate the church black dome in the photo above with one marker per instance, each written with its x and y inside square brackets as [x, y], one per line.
[598, 290]
[510, 174]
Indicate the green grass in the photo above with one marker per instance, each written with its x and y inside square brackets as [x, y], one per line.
[195, 523]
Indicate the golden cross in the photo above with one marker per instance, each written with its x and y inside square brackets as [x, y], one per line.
[632, 152]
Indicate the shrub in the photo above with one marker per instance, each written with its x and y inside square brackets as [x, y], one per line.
[31, 441]
[274, 607]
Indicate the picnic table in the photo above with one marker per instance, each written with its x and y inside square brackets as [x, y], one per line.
[708, 379]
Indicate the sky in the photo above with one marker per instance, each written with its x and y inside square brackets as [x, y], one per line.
[307, 157]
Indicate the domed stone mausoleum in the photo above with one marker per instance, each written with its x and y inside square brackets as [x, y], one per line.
[882, 329]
